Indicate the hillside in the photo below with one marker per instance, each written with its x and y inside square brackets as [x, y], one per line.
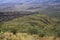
[23, 24]
[6, 16]
[38, 24]
[52, 13]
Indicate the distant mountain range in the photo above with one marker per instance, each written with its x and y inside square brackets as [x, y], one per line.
[28, 5]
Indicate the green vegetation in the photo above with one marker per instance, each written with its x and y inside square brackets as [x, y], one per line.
[39, 24]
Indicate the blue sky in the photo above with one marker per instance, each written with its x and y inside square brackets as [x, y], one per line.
[23, 1]
[28, 1]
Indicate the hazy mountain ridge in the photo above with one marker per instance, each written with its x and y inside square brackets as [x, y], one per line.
[50, 7]
[24, 5]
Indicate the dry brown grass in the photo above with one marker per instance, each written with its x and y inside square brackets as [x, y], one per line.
[24, 36]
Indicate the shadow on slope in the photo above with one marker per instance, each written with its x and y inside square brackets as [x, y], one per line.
[6, 16]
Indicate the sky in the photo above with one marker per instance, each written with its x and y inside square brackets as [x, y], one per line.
[23, 1]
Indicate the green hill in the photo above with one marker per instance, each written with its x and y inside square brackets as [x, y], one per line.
[31, 24]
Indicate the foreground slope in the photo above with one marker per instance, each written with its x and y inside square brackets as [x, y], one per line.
[38, 24]
[29, 24]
